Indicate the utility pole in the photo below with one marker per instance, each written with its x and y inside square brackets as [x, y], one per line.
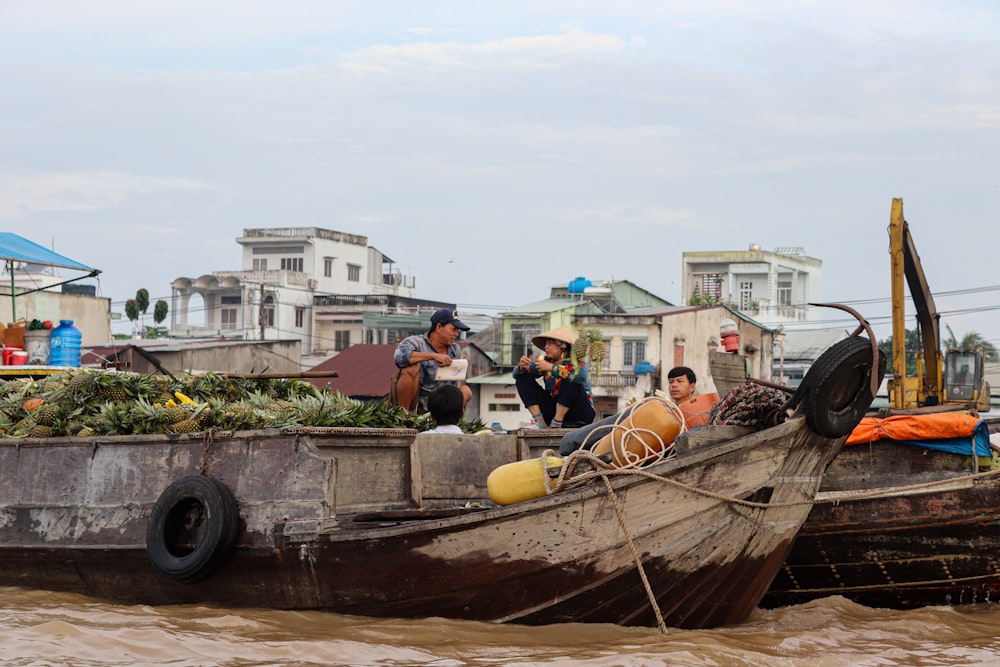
[260, 312]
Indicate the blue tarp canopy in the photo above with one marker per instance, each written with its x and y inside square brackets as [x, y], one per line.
[18, 248]
[980, 439]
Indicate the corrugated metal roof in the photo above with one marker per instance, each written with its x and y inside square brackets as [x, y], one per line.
[363, 370]
[493, 378]
[544, 306]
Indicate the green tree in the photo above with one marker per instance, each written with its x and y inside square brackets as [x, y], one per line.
[142, 300]
[699, 299]
[159, 311]
[132, 310]
[914, 344]
[971, 341]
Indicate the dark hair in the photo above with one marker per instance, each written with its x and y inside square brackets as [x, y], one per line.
[678, 371]
[446, 404]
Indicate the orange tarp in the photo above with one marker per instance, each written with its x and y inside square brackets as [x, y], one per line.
[914, 427]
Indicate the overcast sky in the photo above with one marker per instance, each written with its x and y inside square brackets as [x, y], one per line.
[530, 142]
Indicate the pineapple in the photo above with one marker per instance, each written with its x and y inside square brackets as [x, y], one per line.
[40, 431]
[597, 351]
[111, 387]
[185, 426]
[47, 415]
[82, 384]
[579, 350]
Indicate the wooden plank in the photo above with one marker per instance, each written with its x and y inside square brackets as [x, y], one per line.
[455, 467]
[728, 371]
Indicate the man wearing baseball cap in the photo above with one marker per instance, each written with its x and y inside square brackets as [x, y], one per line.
[418, 358]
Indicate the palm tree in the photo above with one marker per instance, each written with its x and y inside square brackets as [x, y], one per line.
[971, 341]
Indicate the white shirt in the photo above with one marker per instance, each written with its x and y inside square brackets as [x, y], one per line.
[446, 428]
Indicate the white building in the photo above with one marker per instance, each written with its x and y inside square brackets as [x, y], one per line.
[273, 296]
[771, 287]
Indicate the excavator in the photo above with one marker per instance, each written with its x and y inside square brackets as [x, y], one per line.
[956, 378]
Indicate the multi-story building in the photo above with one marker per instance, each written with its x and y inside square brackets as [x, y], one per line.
[644, 336]
[622, 311]
[326, 288]
[771, 287]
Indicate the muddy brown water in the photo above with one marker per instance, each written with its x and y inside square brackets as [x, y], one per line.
[40, 628]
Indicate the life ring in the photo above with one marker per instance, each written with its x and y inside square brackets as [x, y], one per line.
[838, 387]
[192, 529]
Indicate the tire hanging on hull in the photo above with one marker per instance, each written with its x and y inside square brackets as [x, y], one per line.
[192, 529]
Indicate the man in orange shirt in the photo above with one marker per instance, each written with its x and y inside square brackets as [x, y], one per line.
[681, 382]
[681, 386]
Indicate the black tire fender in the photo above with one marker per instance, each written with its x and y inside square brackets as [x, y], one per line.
[838, 388]
[192, 528]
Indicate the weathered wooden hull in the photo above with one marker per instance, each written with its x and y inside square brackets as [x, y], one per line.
[329, 520]
[924, 540]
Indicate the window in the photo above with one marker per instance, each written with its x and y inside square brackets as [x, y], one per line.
[328, 267]
[300, 316]
[520, 339]
[711, 286]
[505, 407]
[267, 312]
[292, 263]
[784, 292]
[634, 351]
[746, 295]
[341, 340]
[353, 273]
[260, 263]
[227, 318]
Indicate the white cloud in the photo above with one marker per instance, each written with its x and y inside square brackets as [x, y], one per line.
[63, 192]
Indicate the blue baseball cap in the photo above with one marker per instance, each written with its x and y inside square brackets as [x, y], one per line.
[448, 316]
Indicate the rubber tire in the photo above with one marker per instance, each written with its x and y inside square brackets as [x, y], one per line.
[212, 505]
[838, 387]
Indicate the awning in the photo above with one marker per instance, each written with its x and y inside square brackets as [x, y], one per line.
[17, 248]
[14, 248]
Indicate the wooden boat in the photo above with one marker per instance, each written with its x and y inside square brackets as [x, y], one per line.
[386, 522]
[375, 524]
[898, 524]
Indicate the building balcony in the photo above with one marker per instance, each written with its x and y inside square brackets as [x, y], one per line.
[613, 380]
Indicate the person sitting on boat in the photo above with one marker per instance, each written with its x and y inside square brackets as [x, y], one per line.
[681, 385]
[564, 400]
[418, 358]
[446, 405]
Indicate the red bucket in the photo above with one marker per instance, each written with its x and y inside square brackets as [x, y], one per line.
[7, 351]
[18, 358]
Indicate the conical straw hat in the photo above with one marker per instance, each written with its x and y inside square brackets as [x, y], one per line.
[563, 334]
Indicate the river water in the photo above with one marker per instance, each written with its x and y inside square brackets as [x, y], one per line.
[41, 629]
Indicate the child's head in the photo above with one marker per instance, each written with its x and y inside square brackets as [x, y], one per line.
[446, 404]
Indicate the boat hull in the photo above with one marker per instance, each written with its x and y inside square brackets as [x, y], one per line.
[929, 536]
[343, 525]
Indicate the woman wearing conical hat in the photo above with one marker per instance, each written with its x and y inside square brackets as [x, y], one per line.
[563, 399]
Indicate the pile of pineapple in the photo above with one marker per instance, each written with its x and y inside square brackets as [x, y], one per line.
[90, 402]
[589, 348]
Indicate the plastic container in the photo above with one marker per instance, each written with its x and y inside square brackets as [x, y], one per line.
[522, 480]
[64, 342]
[6, 353]
[18, 358]
[37, 345]
[641, 435]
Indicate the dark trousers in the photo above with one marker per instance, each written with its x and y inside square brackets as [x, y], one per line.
[571, 395]
[590, 433]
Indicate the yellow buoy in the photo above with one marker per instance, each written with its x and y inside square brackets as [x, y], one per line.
[522, 480]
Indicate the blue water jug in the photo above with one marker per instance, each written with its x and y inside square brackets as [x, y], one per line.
[64, 344]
